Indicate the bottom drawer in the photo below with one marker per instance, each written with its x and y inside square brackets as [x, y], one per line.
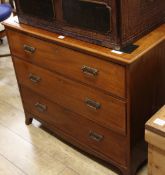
[84, 131]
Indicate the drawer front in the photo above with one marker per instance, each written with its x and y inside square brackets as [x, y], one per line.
[84, 131]
[75, 65]
[86, 101]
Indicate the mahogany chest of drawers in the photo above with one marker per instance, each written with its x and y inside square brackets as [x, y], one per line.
[109, 23]
[91, 97]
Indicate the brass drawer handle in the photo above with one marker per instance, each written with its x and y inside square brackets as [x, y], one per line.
[34, 78]
[29, 49]
[96, 137]
[89, 71]
[40, 107]
[92, 104]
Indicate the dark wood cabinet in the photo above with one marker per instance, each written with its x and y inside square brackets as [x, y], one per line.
[90, 96]
[110, 23]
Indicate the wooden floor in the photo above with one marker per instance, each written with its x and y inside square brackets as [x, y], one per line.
[29, 150]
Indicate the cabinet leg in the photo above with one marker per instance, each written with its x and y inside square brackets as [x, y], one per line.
[28, 120]
[128, 172]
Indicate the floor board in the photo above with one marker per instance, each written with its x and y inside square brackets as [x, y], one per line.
[7, 168]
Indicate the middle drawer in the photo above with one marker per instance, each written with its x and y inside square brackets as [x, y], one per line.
[86, 101]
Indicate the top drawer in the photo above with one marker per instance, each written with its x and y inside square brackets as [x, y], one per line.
[73, 64]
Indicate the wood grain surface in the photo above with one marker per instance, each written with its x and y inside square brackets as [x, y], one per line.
[71, 95]
[68, 62]
[121, 118]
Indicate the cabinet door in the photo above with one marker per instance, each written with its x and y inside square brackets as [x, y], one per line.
[87, 14]
[95, 21]
[37, 8]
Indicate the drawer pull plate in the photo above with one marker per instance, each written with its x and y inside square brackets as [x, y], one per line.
[29, 49]
[40, 107]
[89, 71]
[92, 104]
[34, 78]
[96, 137]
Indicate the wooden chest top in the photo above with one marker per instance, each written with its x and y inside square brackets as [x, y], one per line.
[145, 44]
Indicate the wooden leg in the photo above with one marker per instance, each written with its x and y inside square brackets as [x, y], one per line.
[28, 120]
[2, 34]
[128, 172]
[125, 173]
